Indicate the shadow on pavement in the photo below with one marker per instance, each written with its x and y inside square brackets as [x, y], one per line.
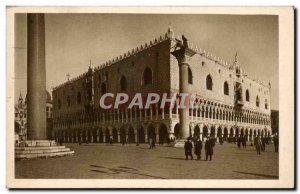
[122, 169]
[255, 174]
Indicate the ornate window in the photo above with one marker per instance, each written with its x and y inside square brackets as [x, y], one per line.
[147, 76]
[190, 76]
[123, 84]
[247, 96]
[78, 98]
[266, 104]
[59, 104]
[209, 83]
[68, 101]
[226, 88]
[103, 88]
[257, 101]
[99, 79]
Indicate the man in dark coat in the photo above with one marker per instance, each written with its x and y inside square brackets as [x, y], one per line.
[244, 140]
[153, 143]
[257, 143]
[263, 144]
[239, 141]
[198, 148]
[209, 144]
[188, 149]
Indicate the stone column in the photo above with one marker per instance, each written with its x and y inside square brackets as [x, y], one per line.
[119, 138]
[182, 55]
[36, 78]
[136, 137]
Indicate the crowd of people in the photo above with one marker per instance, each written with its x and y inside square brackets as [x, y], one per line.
[241, 141]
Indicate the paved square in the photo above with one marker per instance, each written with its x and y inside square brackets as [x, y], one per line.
[105, 161]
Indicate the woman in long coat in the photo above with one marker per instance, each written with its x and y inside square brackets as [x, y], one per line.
[258, 144]
[209, 144]
[198, 148]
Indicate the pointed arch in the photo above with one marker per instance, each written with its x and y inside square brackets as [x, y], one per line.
[247, 95]
[103, 88]
[177, 131]
[197, 131]
[226, 88]
[147, 76]
[257, 101]
[123, 84]
[209, 82]
[266, 104]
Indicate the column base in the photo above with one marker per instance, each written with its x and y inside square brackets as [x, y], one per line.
[40, 149]
[36, 143]
[179, 143]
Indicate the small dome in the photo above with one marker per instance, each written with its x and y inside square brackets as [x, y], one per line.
[48, 97]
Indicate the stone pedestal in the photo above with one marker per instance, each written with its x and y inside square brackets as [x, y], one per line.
[40, 149]
[36, 143]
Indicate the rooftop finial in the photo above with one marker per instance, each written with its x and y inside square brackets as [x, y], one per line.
[170, 31]
[20, 97]
[91, 65]
[68, 76]
[236, 58]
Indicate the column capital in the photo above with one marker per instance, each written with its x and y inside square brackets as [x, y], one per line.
[183, 54]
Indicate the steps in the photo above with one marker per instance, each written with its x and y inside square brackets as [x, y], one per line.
[32, 150]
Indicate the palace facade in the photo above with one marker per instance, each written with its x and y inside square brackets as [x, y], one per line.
[231, 103]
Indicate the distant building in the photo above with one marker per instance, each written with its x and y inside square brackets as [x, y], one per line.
[21, 117]
[274, 121]
[231, 103]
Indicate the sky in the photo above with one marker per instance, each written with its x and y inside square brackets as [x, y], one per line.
[73, 40]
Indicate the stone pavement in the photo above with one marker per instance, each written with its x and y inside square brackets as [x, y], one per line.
[105, 161]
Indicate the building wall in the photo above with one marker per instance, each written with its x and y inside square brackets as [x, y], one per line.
[157, 58]
[201, 67]
[217, 110]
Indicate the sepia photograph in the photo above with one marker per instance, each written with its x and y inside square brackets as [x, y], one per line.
[112, 97]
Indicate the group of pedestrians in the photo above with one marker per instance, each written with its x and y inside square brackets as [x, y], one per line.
[259, 143]
[209, 145]
[241, 141]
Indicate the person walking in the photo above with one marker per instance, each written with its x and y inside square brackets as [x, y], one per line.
[150, 143]
[153, 143]
[263, 144]
[198, 148]
[239, 142]
[257, 143]
[188, 149]
[209, 144]
[244, 140]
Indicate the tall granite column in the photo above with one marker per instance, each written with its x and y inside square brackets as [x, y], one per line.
[36, 78]
[182, 55]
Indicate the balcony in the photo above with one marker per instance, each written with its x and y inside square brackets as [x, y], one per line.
[239, 103]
